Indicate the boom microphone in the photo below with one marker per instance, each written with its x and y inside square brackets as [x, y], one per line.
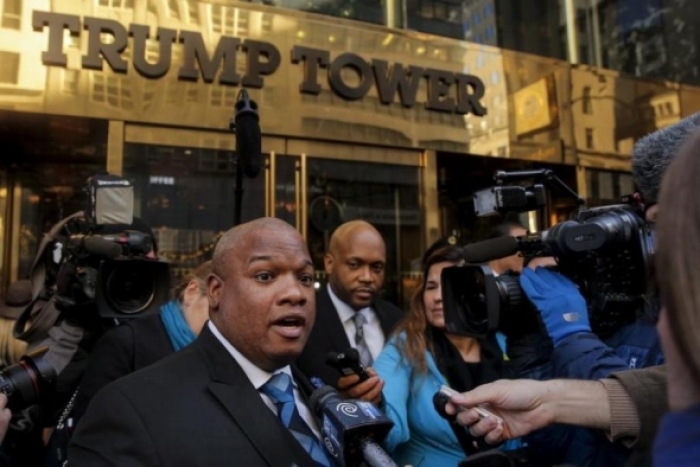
[653, 154]
[351, 429]
[248, 136]
[101, 247]
[489, 250]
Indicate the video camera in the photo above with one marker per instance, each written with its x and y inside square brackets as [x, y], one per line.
[607, 251]
[95, 260]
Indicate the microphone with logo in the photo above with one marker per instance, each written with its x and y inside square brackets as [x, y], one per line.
[246, 126]
[351, 429]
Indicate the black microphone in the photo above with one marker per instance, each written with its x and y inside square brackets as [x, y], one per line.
[246, 122]
[351, 429]
[488, 250]
[101, 247]
[347, 363]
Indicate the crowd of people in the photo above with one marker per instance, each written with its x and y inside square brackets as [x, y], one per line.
[224, 373]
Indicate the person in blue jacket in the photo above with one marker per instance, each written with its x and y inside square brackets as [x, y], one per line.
[580, 354]
[419, 358]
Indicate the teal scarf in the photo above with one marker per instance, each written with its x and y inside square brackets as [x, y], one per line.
[173, 319]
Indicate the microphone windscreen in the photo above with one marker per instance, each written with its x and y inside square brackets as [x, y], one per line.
[248, 143]
[319, 396]
[488, 250]
[101, 247]
[653, 153]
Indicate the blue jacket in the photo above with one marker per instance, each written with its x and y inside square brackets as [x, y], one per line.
[585, 356]
[420, 437]
[676, 443]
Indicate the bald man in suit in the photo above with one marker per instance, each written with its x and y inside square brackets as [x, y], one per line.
[349, 312]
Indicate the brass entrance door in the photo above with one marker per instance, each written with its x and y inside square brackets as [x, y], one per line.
[185, 184]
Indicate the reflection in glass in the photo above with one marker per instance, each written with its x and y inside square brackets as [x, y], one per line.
[384, 195]
[369, 11]
[48, 160]
[187, 196]
[606, 187]
[3, 226]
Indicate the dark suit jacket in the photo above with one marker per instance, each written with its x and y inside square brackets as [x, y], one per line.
[196, 407]
[132, 345]
[328, 335]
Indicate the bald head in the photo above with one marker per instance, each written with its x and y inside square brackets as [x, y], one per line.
[349, 232]
[355, 263]
[239, 238]
[261, 293]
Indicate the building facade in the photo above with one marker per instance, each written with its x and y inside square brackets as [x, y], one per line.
[360, 119]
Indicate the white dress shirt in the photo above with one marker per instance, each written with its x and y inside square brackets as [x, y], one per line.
[259, 377]
[374, 336]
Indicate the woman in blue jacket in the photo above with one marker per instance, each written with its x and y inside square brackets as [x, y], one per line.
[420, 358]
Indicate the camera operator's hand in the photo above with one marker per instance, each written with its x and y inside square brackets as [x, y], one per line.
[369, 390]
[5, 416]
[560, 303]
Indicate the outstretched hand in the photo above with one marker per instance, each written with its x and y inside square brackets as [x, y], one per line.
[520, 403]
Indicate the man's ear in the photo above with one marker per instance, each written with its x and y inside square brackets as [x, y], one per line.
[328, 263]
[214, 289]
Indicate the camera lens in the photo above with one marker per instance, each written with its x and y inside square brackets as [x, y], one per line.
[129, 288]
[27, 382]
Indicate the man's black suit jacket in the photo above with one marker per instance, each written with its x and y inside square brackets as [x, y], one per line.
[196, 408]
[328, 335]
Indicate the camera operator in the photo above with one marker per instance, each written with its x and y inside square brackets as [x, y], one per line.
[138, 343]
[630, 403]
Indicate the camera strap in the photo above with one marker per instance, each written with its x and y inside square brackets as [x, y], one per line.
[41, 313]
[42, 320]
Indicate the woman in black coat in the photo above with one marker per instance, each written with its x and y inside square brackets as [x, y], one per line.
[140, 342]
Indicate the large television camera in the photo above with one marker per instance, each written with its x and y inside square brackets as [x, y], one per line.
[95, 261]
[607, 251]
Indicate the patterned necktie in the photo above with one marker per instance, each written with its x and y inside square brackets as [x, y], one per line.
[281, 391]
[365, 355]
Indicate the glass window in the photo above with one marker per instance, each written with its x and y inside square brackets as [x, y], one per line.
[586, 100]
[387, 196]
[9, 71]
[11, 14]
[590, 139]
[187, 196]
[48, 176]
[607, 187]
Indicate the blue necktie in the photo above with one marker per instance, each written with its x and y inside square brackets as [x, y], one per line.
[281, 391]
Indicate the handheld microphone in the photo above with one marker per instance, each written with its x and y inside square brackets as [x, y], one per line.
[246, 124]
[347, 363]
[351, 429]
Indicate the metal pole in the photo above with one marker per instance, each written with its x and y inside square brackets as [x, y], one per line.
[571, 32]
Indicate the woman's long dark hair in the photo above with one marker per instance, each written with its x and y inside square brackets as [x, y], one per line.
[412, 348]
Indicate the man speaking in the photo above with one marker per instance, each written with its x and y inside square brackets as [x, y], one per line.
[231, 397]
